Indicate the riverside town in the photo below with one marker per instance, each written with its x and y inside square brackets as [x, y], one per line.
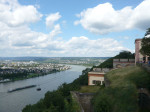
[10, 71]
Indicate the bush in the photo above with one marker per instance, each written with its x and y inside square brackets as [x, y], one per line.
[122, 94]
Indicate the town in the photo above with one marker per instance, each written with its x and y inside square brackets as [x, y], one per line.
[11, 69]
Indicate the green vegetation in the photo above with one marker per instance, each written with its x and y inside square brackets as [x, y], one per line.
[89, 89]
[24, 75]
[14, 76]
[107, 64]
[31, 75]
[122, 55]
[121, 95]
[75, 104]
[145, 50]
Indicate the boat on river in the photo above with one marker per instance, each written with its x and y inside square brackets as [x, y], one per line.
[20, 88]
[38, 89]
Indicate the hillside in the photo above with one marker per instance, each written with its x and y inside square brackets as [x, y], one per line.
[122, 55]
[122, 94]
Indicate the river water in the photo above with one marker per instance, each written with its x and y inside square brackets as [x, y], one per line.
[16, 101]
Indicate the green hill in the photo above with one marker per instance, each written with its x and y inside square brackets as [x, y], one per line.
[122, 94]
[122, 55]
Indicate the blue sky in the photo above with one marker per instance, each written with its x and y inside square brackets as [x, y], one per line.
[61, 28]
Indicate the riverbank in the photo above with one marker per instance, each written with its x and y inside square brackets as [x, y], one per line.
[30, 75]
[32, 96]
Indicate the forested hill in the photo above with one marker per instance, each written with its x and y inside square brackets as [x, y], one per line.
[122, 55]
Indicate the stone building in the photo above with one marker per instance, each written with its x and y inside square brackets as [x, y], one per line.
[139, 58]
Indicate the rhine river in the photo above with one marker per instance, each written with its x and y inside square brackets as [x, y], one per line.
[16, 101]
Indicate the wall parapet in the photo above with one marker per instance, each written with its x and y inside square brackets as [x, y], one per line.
[103, 70]
[123, 60]
[119, 63]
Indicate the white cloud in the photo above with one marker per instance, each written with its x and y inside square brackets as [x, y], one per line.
[55, 31]
[22, 41]
[50, 19]
[17, 39]
[83, 46]
[126, 38]
[14, 14]
[104, 18]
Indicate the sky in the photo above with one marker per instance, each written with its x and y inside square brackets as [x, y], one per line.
[71, 28]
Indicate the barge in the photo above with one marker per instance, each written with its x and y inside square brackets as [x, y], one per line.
[20, 88]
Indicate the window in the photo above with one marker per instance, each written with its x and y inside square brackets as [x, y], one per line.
[96, 82]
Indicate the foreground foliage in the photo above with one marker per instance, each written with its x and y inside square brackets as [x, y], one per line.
[145, 50]
[122, 95]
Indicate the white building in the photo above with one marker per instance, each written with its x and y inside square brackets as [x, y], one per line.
[95, 78]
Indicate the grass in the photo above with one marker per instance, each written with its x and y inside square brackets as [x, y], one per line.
[129, 76]
[122, 94]
[89, 89]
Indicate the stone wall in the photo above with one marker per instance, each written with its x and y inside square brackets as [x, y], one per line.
[119, 63]
[85, 101]
[104, 70]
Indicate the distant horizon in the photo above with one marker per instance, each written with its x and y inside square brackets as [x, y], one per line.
[49, 57]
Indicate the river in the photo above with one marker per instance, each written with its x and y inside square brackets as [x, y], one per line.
[16, 101]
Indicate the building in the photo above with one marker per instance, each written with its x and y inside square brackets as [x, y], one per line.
[119, 63]
[97, 76]
[139, 58]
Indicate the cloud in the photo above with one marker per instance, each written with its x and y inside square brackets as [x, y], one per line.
[83, 46]
[55, 31]
[17, 39]
[126, 38]
[105, 19]
[50, 19]
[16, 35]
[22, 41]
[14, 14]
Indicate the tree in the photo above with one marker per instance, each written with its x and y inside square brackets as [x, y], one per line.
[122, 55]
[145, 45]
[125, 55]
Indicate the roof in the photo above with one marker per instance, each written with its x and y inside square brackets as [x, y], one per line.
[98, 73]
[139, 39]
